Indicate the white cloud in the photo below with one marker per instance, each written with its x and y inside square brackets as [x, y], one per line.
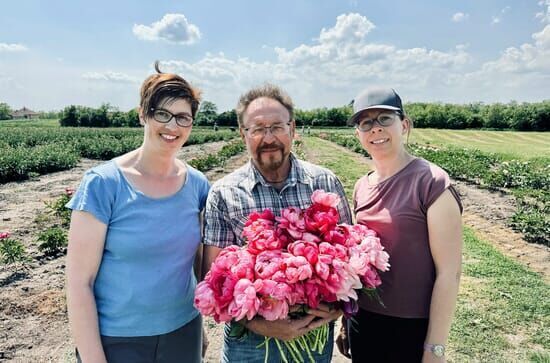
[544, 16]
[460, 17]
[109, 76]
[324, 71]
[173, 28]
[496, 19]
[4, 47]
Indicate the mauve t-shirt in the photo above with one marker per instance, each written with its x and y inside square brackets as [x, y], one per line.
[396, 209]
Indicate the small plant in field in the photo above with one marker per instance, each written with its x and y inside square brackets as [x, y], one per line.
[12, 251]
[57, 207]
[53, 240]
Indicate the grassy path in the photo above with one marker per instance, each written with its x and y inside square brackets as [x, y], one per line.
[503, 312]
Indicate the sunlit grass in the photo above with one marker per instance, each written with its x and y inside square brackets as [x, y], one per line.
[514, 144]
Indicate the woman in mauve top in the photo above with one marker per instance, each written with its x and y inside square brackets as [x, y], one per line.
[416, 212]
[134, 238]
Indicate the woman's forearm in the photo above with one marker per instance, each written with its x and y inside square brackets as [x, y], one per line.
[84, 323]
[442, 307]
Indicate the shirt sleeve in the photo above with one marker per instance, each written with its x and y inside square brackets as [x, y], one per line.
[217, 227]
[93, 196]
[438, 182]
[204, 189]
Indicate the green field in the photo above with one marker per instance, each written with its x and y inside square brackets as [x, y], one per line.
[512, 144]
[30, 123]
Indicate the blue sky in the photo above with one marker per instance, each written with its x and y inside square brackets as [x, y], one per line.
[55, 53]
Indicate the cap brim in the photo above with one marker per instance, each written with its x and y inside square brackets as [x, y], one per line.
[357, 115]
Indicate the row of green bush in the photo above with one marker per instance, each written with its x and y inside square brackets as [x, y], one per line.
[213, 160]
[529, 181]
[29, 152]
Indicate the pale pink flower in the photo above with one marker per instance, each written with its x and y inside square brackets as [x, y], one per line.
[319, 196]
[297, 269]
[269, 263]
[205, 301]
[245, 302]
[273, 309]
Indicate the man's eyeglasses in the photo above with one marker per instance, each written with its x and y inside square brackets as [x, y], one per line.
[163, 116]
[383, 119]
[277, 129]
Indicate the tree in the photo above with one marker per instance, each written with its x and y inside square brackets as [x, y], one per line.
[69, 116]
[227, 118]
[207, 113]
[5, 111]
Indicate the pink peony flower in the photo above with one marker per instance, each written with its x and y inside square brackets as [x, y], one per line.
[309, 250]
[205, 301]
[4, 235]
[320, 219]
[273, 299]
[244, 267]
[377, 256]
[245, 302]
[321, 197]
[270, 263]
[371, 279]
[273, 309]
[297, 269]
[292, 221]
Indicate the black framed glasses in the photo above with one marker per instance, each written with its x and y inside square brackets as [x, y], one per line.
[276, 129]
[163, 116]
[383, 119]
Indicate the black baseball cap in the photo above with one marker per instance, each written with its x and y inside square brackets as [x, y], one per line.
[385, 98]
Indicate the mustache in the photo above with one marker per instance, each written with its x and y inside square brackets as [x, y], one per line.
[274, 145]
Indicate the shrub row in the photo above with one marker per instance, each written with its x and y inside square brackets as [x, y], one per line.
[212, 160]
[529, 181]
[28, 152]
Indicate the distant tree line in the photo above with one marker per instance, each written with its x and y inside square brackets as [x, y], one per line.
[514, 116]
[104, 116]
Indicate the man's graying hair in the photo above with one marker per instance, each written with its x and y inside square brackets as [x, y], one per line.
[269, 91]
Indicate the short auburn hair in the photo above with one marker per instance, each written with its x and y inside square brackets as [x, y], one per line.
[161, 87]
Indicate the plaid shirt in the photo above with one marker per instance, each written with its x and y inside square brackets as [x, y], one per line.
[234, 197]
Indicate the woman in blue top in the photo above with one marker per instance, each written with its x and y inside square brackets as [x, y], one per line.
[135, 233]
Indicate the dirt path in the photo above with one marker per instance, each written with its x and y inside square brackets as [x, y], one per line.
[33, 322]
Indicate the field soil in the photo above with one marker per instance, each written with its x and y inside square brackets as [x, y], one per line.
[33, 319]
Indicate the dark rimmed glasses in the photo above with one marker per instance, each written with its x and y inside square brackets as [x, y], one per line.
[276, 129]
[163, 116]
[383, 119]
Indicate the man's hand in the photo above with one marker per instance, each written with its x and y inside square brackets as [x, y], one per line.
[284, 329]
[288, 329]
[325, 314]
[342, 341]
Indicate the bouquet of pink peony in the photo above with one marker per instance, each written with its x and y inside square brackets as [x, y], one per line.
[302, 257]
